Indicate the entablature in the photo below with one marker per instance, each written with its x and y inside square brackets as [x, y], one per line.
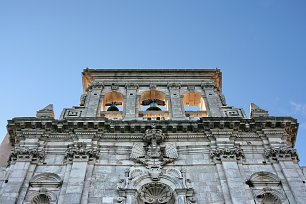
[98, 127]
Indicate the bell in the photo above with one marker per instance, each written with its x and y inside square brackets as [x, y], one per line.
[153, 107]
[113, 107]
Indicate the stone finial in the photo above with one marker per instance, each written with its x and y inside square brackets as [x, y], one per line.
[256, 111]
[46, 112]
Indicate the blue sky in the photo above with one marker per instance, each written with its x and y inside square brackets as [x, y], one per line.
[260, 46]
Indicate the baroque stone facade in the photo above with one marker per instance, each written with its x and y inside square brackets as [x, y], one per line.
[152, 137]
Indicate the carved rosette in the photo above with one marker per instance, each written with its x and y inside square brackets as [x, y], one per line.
[281, 153]
[227, 154]
[80, 151]
[33, 154]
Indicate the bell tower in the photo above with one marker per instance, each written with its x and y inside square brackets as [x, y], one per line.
[158, 136]
[159, 94]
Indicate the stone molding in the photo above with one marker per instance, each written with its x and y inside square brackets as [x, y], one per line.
[51, 180]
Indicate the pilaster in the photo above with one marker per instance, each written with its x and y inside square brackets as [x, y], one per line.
[130, 102]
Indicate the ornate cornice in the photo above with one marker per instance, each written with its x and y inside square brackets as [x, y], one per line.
[98, 127]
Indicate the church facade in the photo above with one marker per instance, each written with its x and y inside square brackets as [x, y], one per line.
[152, 137]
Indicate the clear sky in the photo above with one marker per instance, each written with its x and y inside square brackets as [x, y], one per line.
[260, 46]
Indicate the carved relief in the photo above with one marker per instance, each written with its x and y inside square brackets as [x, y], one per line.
[153, 155]
[83, 99]
[229, 153]
[267, 188]
[141, 185]
[156, 193]
[281, 153]
[43, 196]
[80, 151]
[33, 154]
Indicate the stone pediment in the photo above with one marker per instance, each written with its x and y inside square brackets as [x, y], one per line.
[46, 180]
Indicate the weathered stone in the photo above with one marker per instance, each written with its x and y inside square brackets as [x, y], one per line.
[188, 147]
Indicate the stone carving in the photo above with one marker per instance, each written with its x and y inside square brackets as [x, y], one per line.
[153, 155]
[151, 185]
[174, 85]
[41, 199]
[81, 151]
[281, 153]
[97, 85]
[114, 87]
[43, 196]
[223, 100]
[267, 188]
[83, 99]
[26, 154]
[229, 153]
[269, 195]
[155, 193]
[152, 86]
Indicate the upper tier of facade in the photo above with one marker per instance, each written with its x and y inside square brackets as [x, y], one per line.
[152, 94]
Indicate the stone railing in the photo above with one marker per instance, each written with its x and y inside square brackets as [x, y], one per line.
[154, 115]
[195, 115]
[113, 115]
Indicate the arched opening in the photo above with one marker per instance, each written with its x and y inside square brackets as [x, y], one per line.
[153, 105]
[112, 105]
[194, 105]
[41, 199]
[269, 198]
[155, 193]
